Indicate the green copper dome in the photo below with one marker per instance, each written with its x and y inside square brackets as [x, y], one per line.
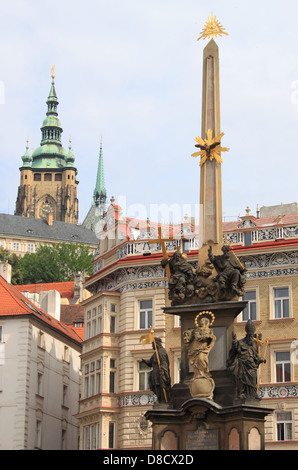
[27, 158]
[50, 154]
[70, 158]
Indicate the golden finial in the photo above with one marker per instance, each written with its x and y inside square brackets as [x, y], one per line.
[212, 28]
[52, 71]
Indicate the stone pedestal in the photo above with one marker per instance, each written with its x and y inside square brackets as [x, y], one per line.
[202, 424]
[225, 313]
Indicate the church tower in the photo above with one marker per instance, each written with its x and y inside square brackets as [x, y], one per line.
[48, 185]
[98, 208]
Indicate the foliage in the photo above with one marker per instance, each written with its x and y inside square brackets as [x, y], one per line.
[16, 273]
[56, 263]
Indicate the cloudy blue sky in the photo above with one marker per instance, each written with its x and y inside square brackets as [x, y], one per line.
[131, 72]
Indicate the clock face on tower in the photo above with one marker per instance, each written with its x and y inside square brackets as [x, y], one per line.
[46, 209]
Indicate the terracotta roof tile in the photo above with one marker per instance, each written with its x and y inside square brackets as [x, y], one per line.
[66, 289]
[14, 303]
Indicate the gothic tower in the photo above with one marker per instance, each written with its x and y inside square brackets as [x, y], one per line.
[98, 208]
[48, 185]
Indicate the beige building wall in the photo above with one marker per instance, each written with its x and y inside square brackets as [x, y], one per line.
[271, 264]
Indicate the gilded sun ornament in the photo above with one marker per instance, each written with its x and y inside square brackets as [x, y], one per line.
[53, 71]
[212, 29]
[210, 148]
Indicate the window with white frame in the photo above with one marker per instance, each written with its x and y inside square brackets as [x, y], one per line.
[88, 325]
[250, 311]
[98, 376]
[86, 437]
[113, 311]
[94, 322]
[282, 366]
[284, 426]
[86, 380]
[112, 324]
[66, 354]
[39, 383]
[112, 384]
[30, 247]
[143, 373]
[92, 378]
[145, 314]
[281, 298]
[65, 395]
[63, 439]
[38, 435]
[111, 435]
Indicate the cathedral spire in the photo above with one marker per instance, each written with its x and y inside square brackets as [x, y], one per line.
[100, 193]
[51, 128]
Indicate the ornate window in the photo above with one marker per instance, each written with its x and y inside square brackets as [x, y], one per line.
[281, 302]
[145, 314]
[250, 311]
[282, 366]
[284, 426]
[143, 372]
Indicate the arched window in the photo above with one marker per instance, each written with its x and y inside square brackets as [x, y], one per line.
[47, 177]
[37, 177]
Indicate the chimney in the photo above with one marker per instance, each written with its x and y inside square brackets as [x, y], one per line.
[78, 286]
[49, 219]
[5, 271]
[49, 301]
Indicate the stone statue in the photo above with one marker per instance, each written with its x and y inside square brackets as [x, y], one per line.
[181, 283]
[191, 285]
[243, 363]
[199, 343]
[230, 273]
[159, 377]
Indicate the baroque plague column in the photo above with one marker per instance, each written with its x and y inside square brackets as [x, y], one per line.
[209, 408]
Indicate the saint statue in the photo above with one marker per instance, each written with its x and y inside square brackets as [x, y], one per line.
[243, 363]
[182, 277]
[159, 377]
[230, 272]
[199, 342]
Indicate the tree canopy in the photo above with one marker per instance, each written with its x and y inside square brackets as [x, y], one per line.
[55, 263]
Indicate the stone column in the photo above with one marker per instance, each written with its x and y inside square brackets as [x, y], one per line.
[210, 184]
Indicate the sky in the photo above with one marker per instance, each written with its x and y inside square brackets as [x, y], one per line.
[130, 73]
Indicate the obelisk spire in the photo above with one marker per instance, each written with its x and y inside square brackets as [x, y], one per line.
[210, 145]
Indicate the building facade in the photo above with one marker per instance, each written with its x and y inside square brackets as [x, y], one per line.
[39, 376]
[22, 235]
[129, 291]
[48, 183]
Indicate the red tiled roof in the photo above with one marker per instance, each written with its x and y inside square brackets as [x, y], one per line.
[79, 330]
[13, 303]
[262, 222]
[66, 289]
[71, 314]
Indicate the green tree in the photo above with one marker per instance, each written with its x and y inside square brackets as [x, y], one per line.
[56, 263]
[16, 273]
